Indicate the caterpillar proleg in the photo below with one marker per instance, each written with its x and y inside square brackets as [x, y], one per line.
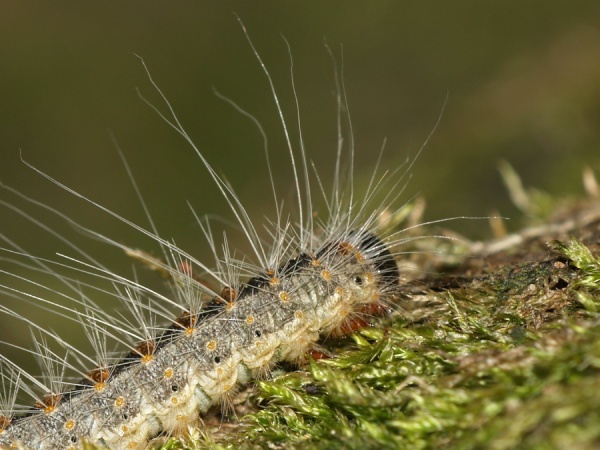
[162, 359]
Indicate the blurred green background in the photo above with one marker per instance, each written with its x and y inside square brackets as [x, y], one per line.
[522, 82]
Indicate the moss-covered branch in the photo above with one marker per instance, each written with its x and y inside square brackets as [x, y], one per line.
[502, 352]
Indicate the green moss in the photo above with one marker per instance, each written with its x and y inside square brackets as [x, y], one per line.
[509, 359]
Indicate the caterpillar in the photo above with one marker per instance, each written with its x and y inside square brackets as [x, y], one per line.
[309, 276]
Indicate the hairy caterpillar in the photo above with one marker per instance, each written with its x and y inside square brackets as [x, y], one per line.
[309, 277]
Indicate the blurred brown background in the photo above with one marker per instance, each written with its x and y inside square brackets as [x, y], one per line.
[522, 81]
